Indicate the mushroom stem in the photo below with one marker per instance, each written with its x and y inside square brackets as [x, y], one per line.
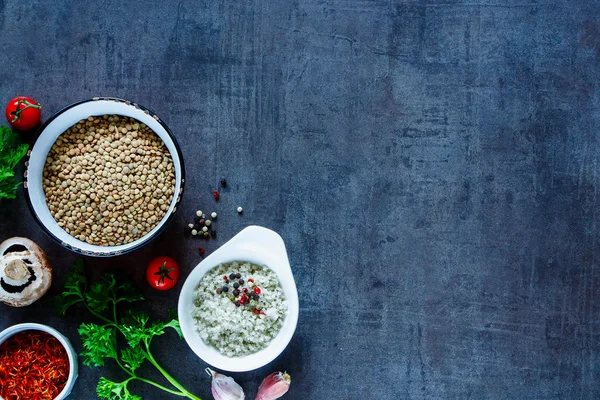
[16, 270]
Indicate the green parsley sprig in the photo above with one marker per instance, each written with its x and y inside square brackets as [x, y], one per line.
[100, 341]
[10, 155]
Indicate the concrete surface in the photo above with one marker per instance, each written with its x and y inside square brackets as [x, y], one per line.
[433, 167]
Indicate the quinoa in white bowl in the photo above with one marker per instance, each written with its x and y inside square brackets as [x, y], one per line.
[239, 308]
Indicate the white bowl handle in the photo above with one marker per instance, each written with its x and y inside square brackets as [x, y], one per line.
[257, 236]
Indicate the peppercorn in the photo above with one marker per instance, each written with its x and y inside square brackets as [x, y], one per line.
[238, 275]
[223, 183]
[213, 234]
[201, 251]
[225, 289]
[207, 222]
[224, 277]
[199, 213]
[200, 221]
[241, 281]
[216, 195]
[236, 292]
[240, 210]
[257, 290]
[219, 290]
[256, 311]
[231, 276]
[194, 232]
[206, 235]
[213, 215]
[245, 290]
[256, 297]
[236, 285]
[237, 303]
[204, 229]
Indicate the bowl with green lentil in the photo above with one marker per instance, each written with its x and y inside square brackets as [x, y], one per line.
[238, 309]
[104, 177]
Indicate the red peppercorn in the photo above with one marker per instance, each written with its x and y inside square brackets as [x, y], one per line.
[216, 195]
[251, 280]
[201, 251]
[256, 311]
[245, 290]
[224, 277]
[257, 290]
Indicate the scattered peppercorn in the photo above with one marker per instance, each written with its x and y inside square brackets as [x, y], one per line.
[216, 195]
[207, 222]
[201, 251]
[213, 215]
[236, 285]
[232, 276]
[237, 303]
[251, 280]
[219, 290]
[213, 234]
[256, 311]
[241, 281]
[206, 235]
[198, 213]
[224, 277]
[191, 226]
[238, 275]
[194, 232]
[204, 229]
[240, 210]
[245, 290]
[257, 290]
[236, 292]
[223, 183]
[225, 289]
[201, 222]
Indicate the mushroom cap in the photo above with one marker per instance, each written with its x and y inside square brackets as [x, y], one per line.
[24, 268]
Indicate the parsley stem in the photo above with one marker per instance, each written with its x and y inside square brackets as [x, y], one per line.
[103, 318]
[158, 385]
[172, 380]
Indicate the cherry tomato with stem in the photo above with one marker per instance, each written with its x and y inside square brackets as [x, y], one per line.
[162, 273]
[23, 113]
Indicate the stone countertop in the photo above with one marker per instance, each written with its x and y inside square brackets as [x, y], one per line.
[432, 166]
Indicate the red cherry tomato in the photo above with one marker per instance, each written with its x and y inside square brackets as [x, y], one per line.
[162, 273]
[23, 113]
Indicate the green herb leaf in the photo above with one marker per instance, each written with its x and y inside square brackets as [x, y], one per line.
[127, 292]
[133, 357]
[110, 390]
[99, 343]
[75, 286]
[133, 327]
[102, 294]
[10, 155]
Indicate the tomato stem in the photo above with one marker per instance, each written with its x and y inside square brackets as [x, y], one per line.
[19, 110]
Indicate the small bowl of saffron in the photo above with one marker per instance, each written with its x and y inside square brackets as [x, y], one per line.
[36, 363]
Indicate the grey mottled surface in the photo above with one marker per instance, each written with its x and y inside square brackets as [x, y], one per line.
[432, 166]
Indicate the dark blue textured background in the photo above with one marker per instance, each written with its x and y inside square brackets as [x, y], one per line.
[433, 167]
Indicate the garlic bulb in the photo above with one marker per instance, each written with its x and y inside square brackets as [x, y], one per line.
[274, 386]
[224, 387]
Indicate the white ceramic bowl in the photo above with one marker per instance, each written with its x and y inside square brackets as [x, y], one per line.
[59, 123]
[73, 371]
[260, 246]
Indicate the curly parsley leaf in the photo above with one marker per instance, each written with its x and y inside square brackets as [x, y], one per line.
[133, 357]
[110, 390]
[133, 327]
[74, 290]
[99, 343]
[10, 155]
[102, 294]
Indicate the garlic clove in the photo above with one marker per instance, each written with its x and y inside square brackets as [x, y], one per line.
[274, 386]
[224, 387]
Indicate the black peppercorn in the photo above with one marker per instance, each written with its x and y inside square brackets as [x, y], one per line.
[237, 303]
[219, 290]
[225, 289]
[236, 285]
[223, 183]
[238, 275]
[236, 292]
[241, 281]
[232, 276]
[213, 234]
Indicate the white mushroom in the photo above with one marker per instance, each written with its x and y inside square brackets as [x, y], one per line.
[25, 274]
